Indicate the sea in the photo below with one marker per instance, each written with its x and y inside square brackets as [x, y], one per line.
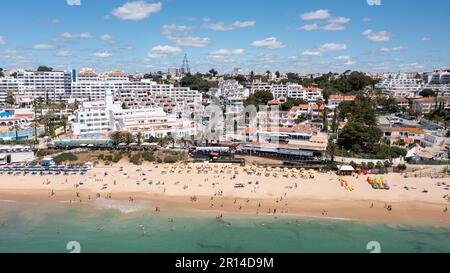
[66, 228]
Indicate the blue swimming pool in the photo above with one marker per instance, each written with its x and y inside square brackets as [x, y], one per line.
[23, 134]
[93, 136]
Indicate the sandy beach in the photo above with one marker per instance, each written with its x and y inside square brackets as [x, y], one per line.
[210, 188]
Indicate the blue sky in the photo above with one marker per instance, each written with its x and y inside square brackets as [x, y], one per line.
[287, 35]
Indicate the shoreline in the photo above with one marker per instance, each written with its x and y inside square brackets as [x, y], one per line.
[211, 189]
[356, 211]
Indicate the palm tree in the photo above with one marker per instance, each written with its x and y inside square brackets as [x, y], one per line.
[17, 128]
[64, 124]
[129, 138]
[139, 138]
[331, 150]
[48, 121]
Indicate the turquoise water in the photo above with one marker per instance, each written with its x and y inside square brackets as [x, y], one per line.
[48, 228]
[92, 136]
[23, 134]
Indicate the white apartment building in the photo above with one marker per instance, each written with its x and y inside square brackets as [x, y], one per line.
[296, 91]
[400, 86]
[108, 116]
[279, 90]
[49, 86]
[90, 86]
[309, 94]
[232, 88]
[438, 77]
[404, 86]
[259, 85]
[9, 84]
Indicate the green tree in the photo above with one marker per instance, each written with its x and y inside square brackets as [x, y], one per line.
[17, 129]
[361, 134]
[428, 93]
[139, 138]
[213, 72]
[259, 98]
[43, 68]
[332, 150]
[361, 110]
[64, 124]
[10, 100]
[300, 119]
[291, 102]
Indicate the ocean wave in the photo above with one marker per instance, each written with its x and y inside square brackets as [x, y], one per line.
[122, 206]
[8, 201]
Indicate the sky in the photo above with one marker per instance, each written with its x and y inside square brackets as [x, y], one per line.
[304, 36]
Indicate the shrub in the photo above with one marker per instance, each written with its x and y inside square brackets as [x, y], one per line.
[387, 164]
[364, 165]
[171, 159]
[331, 166]
[402, 167]
[117, 157]
[65, 157]
[370, 165]
[380, 165]
[136, 159]
[148, 156]
[42, 153]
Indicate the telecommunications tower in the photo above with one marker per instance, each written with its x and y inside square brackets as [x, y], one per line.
[185, 68]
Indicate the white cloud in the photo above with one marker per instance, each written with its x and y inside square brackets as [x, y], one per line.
[163, 51]
[334, 24]
[312, 53]
[339, 20]
[172, 27]
[180, 36]
[225, 53]
[310, 27]
[381, 36]
[323, 49]
[345, 60]
[73, 2]
[102, 54]
[70, 36]
[221, 26]
[271, 43]
[190, 41]
[44, 47]
[2, 41]
[316, 15]
[391, 49]
[333, 27]
[107, 38]
[426, 39]
[136, 11]
[366, 20]
[63, 53]
[332, 47]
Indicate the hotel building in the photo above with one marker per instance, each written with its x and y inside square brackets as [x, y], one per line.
[109, 116]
